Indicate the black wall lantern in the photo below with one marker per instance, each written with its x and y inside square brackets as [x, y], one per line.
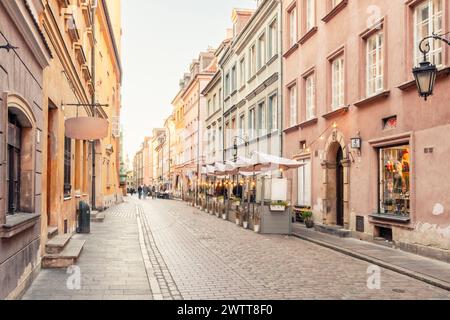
[425, 74]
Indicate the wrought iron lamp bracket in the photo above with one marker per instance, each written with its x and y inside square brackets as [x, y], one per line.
[425, 47]
[8, 47]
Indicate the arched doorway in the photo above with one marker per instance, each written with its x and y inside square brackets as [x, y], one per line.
[339, 188]
[336, 182]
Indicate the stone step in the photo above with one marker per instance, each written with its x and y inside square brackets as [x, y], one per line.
[52, 232]
[57, 243]
[333, 230]
[66, 258]
[97, 216]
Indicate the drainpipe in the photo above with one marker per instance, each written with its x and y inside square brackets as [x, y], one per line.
[280, 81]
[93, 6]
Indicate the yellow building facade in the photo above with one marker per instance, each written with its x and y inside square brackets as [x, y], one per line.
[85, 70]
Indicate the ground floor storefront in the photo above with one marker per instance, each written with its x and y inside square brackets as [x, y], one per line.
[390, 187]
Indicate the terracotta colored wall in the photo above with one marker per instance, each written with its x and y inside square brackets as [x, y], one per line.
[427, 122]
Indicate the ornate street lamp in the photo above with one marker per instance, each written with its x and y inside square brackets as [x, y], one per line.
[425, 74]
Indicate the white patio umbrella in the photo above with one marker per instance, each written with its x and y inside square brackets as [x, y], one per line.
[268, 162]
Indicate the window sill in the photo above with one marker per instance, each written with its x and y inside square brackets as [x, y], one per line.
[233, 93]
[271, 60]
[335, 11]
[18, 223]
[390, 217]
[308, 35]
[261, 70]
[412, 83]
[251, 79]
[336, 113]
[242, 88]
[291, 128]
[226, 99]
[291, 50]
[308, 123]
[374, 98]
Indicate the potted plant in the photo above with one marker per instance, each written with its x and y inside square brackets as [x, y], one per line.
[245, 216]
[257, 220]
[278, 206]
[308, 219]
[236, 201]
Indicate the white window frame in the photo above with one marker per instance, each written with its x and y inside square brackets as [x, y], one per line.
[272, 40]
[252, 61]
[310, 96]
[242, 76]
[293, 26]
[262, 53]
[293, 105]
[252, 122]
[337, 83]
[310, 14]
[272, 112]
[304, 184]
[436, 46]
[375, 71]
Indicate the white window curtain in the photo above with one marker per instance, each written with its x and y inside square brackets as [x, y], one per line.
[304, 184]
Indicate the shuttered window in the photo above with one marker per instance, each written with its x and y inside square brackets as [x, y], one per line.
[67, 167]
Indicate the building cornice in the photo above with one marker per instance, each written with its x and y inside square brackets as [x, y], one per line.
[21, 14]
[112, 38]
[213, 83]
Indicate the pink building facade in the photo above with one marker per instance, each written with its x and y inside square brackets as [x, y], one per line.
[376, 154]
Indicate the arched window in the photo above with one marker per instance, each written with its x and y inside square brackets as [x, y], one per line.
[20, 157]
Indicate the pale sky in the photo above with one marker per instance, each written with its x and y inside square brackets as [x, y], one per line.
[160, 39]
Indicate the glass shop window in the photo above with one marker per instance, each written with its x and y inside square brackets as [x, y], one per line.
[395, 166]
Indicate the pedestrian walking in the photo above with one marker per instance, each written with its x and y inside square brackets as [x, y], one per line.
[140, 192]
[145, 191]
[153, 192]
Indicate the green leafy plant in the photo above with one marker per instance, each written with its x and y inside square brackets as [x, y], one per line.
[307, 215]
[280, 203]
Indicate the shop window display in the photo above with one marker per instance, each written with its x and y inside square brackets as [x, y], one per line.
[395, 190]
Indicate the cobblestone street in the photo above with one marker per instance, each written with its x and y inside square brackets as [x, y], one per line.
[158, 249]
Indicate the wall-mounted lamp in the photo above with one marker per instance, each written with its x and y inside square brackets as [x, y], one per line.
[356, 144]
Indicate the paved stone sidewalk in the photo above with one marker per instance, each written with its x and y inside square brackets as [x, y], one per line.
[160, 249]
[422, 268]
[111, 264]
[209, 258]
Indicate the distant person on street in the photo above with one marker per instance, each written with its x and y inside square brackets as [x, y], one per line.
[153, 192]
[145, 191]
[140, 192]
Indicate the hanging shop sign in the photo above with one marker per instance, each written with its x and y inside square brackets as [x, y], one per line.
[86, 128]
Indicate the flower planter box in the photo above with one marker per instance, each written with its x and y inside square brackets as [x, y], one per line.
[277, 208]
[256, 228]
[238, 221]
[224, 216]
[245, 225]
